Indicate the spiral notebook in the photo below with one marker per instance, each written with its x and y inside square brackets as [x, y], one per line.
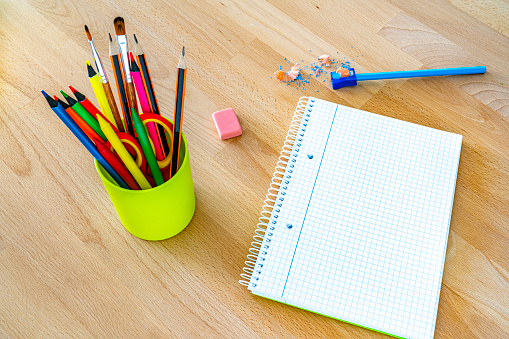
[356, 220]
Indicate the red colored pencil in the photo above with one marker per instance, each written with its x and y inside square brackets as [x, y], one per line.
[117, 165]
[85, 102]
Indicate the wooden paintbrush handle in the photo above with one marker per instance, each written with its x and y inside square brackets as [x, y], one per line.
[131, 96]
[113, 106]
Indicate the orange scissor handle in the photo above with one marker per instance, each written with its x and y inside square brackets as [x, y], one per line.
[168, 127]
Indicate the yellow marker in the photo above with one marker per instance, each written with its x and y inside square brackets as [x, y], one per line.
[97, 86]
[123, 154]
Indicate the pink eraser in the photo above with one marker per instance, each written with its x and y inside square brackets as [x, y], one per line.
[227, 124]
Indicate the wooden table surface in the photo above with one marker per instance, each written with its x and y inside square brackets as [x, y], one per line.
[68, 268]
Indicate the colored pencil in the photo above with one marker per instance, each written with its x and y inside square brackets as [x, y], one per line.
[84, 114]
[145, 108]
[124, 154]
[178, 116]
[82, 137]
[95, 81]
[338, 80]
[91, 134]
[90, 107]
[118, 72]
[147, 81]
[106, 102]
[147, 149]
[116, 164]
[85, 102]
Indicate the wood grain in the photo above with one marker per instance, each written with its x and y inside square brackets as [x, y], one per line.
[70, 269]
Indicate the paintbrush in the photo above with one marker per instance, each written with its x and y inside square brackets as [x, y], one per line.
[124, 54]
[117, 71]
[109, 107]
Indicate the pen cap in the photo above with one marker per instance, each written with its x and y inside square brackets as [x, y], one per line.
[157, 213]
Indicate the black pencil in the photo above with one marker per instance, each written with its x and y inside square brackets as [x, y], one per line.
[178, 117]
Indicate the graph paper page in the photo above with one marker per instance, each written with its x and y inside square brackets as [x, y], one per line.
[361, 232]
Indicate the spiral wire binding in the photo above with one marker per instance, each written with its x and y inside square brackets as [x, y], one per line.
[263, 228]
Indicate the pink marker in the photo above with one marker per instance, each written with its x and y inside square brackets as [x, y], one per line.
[145, 108]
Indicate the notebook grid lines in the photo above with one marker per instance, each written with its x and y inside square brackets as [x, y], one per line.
[370, 216]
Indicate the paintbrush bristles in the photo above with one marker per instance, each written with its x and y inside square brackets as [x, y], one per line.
[119, 26]
[89, 36]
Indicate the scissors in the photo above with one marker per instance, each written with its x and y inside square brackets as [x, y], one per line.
[134, 148]
[168, 127]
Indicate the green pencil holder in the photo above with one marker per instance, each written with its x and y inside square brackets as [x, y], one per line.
[157, 213]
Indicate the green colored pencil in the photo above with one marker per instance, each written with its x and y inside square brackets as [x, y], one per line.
[146, 147]
[85, 115]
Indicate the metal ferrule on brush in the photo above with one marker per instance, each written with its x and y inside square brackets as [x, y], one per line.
[122, 45]
[98, 63]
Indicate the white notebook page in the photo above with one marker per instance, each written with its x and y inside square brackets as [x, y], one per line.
[362, 229]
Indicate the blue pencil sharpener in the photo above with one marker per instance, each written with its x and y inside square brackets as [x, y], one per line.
[338, 81]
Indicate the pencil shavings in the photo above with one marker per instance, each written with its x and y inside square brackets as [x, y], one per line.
[322, 65]
[325, 60]
[282, 76]
[294, 72]
[290, 76]
[344, 72]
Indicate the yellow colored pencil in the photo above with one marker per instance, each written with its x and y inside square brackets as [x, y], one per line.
[123, 154]
[97, 86]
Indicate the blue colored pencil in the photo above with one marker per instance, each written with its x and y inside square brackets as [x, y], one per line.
[421, 73]
[353, 78]
[82, 137]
